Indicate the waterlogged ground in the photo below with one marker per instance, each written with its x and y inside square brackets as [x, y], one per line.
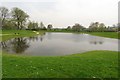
[56, 44]
[93, 64]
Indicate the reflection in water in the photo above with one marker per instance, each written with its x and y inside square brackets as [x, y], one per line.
[3, 45]
[96, 42]
[16, 45]
[19, 45]
[33, 38]
[41, 38]
[53, 44]
[49, 36]
[36, 38]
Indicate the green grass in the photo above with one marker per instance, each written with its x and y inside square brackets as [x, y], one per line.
[93, 64]
[22, 33]
[106, 34]
[99, 64]
[1, 65]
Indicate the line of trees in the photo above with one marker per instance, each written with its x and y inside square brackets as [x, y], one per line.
[14, 19]
[18, 19]
[101, 27]
[94, 27]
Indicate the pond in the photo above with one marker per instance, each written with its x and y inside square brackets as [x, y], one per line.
[58, 44]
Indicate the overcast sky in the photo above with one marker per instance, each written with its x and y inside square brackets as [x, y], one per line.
[63, 13]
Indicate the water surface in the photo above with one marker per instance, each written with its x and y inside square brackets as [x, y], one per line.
[57, 44]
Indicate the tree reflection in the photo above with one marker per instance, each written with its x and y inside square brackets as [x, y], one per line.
[41, 37]
[19, 45]
[3, 45]
[34, 38]
[96, 42]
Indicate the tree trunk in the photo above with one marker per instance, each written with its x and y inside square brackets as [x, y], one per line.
[2, 23]
[18, 25]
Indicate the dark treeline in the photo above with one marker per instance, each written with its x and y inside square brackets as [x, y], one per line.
[18, 19]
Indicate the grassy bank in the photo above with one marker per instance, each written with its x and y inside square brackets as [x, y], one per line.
[24, 33]
[93, 64]
[106, 34]
[8, 34]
